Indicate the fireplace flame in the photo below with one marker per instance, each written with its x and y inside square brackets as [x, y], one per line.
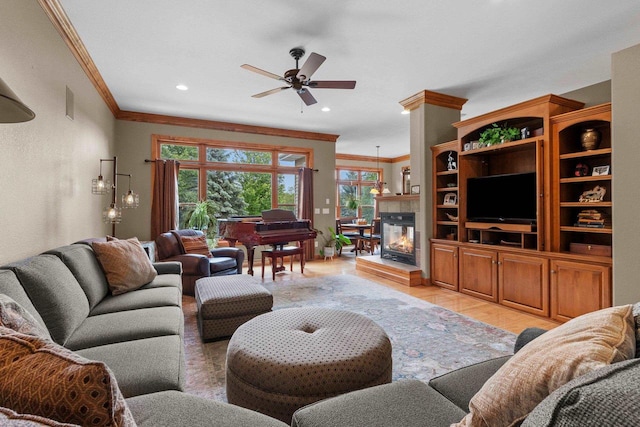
[403, 244]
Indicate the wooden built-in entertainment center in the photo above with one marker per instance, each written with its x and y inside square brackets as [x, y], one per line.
[558, 265]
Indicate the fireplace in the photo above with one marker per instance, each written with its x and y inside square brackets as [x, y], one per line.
[397, 235]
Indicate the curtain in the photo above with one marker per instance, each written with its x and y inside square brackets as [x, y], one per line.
[305, 205]
[164, 207]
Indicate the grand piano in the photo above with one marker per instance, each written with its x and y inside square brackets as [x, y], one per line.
[275, 227]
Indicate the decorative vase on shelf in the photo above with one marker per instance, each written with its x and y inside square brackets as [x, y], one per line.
[590, 139]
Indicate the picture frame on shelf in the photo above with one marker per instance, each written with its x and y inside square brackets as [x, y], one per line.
[415, 189]
[600, 170]
[450, 199]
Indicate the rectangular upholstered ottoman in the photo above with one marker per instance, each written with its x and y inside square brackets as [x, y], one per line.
[226, 302]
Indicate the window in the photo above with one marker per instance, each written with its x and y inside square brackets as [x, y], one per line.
[354, 192]
[237, 178]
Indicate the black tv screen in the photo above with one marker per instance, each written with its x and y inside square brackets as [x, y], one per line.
[502, 198]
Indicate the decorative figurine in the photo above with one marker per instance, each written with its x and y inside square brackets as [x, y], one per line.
[451, 165]
[595, 195]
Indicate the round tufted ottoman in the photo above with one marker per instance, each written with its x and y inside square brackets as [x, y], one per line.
[283, 360]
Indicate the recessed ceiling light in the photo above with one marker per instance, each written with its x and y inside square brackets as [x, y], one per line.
[182, 87]
[405, 111]
[325, 109]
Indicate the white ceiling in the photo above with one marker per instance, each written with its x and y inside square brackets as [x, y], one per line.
[492, 52]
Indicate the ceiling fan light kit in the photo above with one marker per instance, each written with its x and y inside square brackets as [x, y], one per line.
[299, 79]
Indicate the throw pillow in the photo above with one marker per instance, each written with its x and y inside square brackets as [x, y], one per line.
[636, 318]
[583, 344]
[9, 417]
[125, 263]
[196, 245]
[42, 378]
[14, 316]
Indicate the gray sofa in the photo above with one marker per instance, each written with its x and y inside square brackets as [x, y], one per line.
[608, 396]
[138, 334]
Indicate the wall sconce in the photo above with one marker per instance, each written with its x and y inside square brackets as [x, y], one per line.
[12, 110]
[112, 214]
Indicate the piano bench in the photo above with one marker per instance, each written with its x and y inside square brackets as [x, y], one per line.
[279, 254]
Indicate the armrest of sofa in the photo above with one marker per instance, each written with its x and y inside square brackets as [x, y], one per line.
[461, 385]
[192, 264]
[168, 267]
[527, 336]
[406, 403]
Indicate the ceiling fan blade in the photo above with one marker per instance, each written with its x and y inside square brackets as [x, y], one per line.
[310, 66]
[307, 97]
[263, 72]
[269, 92]
[333, 84]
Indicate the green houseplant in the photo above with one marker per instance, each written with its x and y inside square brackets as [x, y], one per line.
[497, 135]
[334, 242]
[352, 203]
[202, 217]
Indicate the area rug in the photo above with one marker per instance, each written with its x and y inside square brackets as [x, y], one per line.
[427, 340]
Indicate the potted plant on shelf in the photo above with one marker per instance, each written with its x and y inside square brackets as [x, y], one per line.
[334, 242]
[497, 135]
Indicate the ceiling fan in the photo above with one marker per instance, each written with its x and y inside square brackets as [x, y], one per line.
[299, 79]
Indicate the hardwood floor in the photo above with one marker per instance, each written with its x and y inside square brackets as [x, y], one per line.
[490, 313]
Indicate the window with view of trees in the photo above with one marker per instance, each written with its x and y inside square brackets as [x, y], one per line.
[354, 192]
[234, 178]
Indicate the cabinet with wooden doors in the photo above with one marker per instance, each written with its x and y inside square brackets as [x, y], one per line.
[479, 273]
[444, 266]
[578, 288]
[554, 260]
[445, 190]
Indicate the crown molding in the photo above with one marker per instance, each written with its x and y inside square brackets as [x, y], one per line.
[432, 98]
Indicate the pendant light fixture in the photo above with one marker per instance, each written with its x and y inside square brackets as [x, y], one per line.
[377, 186]
[12, 110]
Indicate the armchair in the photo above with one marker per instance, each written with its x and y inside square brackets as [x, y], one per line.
[224, 261]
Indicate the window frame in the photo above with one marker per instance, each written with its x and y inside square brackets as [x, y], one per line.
[358, 183]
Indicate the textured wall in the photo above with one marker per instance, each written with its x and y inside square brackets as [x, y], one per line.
[46, 165]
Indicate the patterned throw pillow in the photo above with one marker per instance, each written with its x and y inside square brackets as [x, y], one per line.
[196, 245]
[40, 377]
[9, 417]
[636, 319]
[582, 345]
[14, 316]
[125, 263]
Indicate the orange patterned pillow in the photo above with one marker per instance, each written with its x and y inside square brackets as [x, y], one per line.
[196, 245]
[125, 263]
[581, 345]
[40, 377]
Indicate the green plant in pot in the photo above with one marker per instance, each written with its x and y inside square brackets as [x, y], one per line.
[202, 217]
[497, 135]
[352, 203]
[334, 242]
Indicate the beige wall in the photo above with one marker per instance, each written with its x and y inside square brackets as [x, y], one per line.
[46, 165]
[133, 146]
[625, 95]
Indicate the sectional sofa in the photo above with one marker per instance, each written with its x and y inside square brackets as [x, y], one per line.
[137, 334]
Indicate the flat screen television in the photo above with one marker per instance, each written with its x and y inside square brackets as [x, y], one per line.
[508, 198]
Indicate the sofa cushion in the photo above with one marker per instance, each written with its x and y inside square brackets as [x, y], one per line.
[10, 286]
[173, 408]
[222, 263]
[407, 403]
[125, 263]
[14, 316]
[583, 344]
[11, 417]
[195, 245]
[84, 265]
[55, 293]
[141, 298]
[43, 378]
[129, 325]
[460, 385]
[606, 397]
[143, 366]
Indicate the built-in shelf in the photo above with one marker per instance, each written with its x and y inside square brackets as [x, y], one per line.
[590, 153]
[605, 230]
[585, 179]
[512, 145]
[586, 205]
[446, 189]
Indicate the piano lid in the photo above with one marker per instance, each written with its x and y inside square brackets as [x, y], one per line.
[278, 215]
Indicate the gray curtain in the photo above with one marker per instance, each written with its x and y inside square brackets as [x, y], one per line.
[305, 205]
[164, 206]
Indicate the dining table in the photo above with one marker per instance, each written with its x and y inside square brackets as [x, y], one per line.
[361, 228]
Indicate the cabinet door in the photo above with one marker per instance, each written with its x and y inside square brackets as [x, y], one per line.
[444, 266]
[479, 273]
[523, 283]
[578, 288]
